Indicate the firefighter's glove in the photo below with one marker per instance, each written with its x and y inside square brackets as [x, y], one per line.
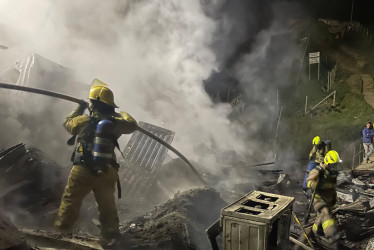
[83, 105]
[312, 185]
[81, 108]
[315, 185]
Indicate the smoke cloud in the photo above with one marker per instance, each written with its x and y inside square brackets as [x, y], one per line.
[155, 56]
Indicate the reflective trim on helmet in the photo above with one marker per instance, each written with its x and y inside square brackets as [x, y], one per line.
[328, 223]
[331, 157]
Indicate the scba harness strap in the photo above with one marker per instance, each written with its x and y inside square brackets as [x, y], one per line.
[95, 150]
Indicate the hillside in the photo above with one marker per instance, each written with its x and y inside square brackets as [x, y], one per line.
[354, 102]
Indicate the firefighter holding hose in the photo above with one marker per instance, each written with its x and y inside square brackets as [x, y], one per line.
[322, 180]
[94, 162]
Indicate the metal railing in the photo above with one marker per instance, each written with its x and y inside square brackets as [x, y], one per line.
[324, 99]
[331, 75]
[358, 157]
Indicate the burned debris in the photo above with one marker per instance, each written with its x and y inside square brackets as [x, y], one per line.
[10, 237]
[177, 224]
[142, 158]
[27, 195]
[354, 212]
[31, 184]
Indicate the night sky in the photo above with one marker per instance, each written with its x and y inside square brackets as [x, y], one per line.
[363, 10]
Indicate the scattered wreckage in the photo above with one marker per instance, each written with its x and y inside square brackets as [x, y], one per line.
[31, 188]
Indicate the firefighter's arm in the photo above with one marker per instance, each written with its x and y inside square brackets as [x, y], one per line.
[126, 123]
[75, 120]
[312, 152]
[314, 176]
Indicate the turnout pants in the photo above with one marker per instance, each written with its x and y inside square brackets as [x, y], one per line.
[82, 181]
[325, 223]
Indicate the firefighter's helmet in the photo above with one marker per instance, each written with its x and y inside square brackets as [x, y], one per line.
[332, 157]
[100, 92]
[316, 140]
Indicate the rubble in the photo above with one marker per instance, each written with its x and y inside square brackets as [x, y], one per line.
[371, 203]
[38, 238]
[354, 211]
[142, 159]
[179, 223]
[344, 177]
[370, 244]
[346, 195]
[31, 184]
[10, 237]
[358, 182]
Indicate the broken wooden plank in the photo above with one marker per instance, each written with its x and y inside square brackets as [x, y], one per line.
[12, 154]
[64, 240]
[6, 151]
[300, 243]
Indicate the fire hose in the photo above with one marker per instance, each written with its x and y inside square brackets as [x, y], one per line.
[80, 101]
[302, 228]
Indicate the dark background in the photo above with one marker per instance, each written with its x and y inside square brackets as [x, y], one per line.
[363, 10]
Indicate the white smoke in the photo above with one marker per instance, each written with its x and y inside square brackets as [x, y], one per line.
[154, 55]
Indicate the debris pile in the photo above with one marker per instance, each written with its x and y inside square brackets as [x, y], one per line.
[30, 184]
[179, 223]
[354, 211]
[262, 178]
[10, 237]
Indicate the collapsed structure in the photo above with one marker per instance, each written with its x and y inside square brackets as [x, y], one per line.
[32, 184]
[31, 187]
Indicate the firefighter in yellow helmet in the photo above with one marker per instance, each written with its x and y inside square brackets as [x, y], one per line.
[94, 162]
[316, 156]
[318, 151]
[322, 179]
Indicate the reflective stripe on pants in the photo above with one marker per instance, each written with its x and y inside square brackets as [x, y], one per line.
[325, 221]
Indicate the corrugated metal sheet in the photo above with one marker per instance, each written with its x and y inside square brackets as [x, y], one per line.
[143, 156]
[145, 152]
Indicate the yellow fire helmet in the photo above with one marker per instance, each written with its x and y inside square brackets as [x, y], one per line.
[316, 140]
[100, 92]
[332, 157]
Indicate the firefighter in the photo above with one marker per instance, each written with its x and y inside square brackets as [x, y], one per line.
[318, 151]
[94, 162]
[322, 179]
[316, 157]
